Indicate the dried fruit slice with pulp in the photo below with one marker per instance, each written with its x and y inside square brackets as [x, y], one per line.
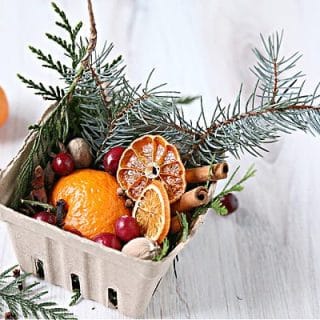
[151, 158]
[152, 212]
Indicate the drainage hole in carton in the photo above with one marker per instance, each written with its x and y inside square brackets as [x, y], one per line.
[112, 298]
[39, 268]
[75, 283]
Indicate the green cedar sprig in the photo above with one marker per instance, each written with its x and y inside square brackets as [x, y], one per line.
[61, 68]
[74, 48]
[164, 250]
[57, 126]
[171, 241]
[76, 296]
[47, 93]
[185, 226]
[25, 300]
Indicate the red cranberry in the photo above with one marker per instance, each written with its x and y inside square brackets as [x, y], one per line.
[63, 164]
[127, 228]
[46, 217]
[108, 240]
[231, 202]
[111, 160]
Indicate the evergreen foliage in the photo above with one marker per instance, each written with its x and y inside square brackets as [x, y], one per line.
[100, 104]
[216, 203]
[24, 299]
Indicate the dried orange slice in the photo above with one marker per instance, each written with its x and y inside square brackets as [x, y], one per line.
[147, 159]
[152, 212]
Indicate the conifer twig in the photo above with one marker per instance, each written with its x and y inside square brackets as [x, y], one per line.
[210, 131]
[57, 125]
[24, 300]
[215, 203]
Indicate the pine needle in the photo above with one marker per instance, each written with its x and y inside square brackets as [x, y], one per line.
[76, 296]
[25, 300]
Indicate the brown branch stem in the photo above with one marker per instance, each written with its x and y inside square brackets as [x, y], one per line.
[92, 39]
[85, 62]
[102, 90]
[275, 84]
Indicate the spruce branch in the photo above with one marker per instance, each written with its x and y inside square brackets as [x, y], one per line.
[247, 131]
[147, 112]
[107, 111]
[276, 105]
[187, 99]
[25, 300]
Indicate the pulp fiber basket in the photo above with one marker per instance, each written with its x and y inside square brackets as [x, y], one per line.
[64, 259]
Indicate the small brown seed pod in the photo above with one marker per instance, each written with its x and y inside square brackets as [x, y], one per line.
[120, 192]
[129, 203]
[80, 152]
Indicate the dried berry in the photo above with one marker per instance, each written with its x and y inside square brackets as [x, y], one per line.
[111, 160]
[108, 240]
[230, 201]
[45, 216]
[63, 164]
[127, 228]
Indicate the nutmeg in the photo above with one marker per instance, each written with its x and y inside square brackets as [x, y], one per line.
[81, 152]
[142, 248]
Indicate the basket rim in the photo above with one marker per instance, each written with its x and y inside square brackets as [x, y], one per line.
[11, 216]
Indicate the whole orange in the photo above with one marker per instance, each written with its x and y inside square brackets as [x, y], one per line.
[4, 107]
[92, 201]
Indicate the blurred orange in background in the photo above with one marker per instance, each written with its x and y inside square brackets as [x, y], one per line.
[4, 108]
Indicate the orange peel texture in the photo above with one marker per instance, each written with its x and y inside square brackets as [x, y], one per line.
[92, 201]
[4, 108]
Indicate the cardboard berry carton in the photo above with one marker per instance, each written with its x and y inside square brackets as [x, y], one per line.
[62, 258]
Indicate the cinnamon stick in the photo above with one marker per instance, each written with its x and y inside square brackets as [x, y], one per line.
[38, 191]
[191, 199]
[175, 225]
[215, 172]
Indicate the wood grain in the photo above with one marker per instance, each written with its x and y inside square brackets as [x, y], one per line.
[263, 261]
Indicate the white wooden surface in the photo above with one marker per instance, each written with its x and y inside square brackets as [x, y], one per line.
[261, 262]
